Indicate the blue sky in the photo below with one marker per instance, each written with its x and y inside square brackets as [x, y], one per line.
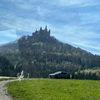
[76, 22]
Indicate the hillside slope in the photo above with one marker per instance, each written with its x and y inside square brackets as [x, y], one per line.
[41, 54]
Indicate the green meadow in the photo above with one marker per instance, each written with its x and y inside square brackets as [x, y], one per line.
[4, 79]
[54, 89]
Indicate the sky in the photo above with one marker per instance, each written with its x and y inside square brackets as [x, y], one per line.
[76, 22]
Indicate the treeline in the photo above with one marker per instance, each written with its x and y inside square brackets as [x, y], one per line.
[93, 74]
[6, 68]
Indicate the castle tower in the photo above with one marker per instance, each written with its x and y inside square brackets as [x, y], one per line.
[46, 28]
[49, 31]
[40, 28]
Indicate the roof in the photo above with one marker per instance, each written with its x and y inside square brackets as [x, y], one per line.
[57, 72]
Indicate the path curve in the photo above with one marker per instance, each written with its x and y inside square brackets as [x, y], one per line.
[3, 92]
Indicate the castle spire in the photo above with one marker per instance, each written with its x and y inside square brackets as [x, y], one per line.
[49, 31]
[40, 28]
[46, 27]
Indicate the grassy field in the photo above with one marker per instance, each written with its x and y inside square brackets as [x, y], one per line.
[55, 89]
[4, 79]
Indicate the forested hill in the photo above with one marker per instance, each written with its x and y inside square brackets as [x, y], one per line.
[9, 47]
[6, 68]
[42, 54]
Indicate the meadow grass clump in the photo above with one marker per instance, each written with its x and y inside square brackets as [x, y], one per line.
[54, 89]
[4, 79]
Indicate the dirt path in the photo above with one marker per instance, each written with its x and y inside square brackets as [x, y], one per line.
[3, 92]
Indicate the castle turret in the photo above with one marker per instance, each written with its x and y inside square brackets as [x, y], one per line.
[43, 31]
[49, 31]
[46, 28]
[40, 28]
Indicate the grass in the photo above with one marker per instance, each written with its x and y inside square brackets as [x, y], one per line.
[54, 89]
[4, 79]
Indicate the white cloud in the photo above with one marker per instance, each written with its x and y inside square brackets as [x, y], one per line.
[41, 11]
[8, 36]
[73, 26]
[23, 24]
[79, 3]
[24, 4]
[78, 36]
[3, 42]
[9, 33]
[89, 18]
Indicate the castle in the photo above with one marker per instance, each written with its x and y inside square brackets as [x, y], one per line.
[45, 32]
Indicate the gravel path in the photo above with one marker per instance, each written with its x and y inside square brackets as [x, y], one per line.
[3, 92]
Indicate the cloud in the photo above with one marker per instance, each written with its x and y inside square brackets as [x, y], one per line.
[8, 35]
[25, 24]
[28, 24]
[79, 36]
[24, 4]
[72, 21]
[79, 3]
[41, 11]
[92, 47]
[90, 19]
